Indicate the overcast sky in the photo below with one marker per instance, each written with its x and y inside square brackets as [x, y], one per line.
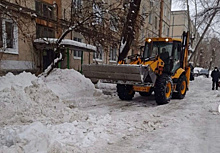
[177, 5]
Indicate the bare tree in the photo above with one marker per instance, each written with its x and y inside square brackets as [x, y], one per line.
[205, 15]
[94, 20]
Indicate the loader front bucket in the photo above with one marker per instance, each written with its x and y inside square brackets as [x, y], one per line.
[125, 73]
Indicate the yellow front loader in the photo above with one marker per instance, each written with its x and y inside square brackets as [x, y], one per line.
[162, 69]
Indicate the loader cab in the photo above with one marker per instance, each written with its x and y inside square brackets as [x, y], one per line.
[168, 49]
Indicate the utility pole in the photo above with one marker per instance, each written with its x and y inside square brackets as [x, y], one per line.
[188, 15]
[161, 18]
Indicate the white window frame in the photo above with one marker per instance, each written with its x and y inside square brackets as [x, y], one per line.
[4, 49]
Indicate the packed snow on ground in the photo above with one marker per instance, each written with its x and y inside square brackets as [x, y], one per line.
[65, 112]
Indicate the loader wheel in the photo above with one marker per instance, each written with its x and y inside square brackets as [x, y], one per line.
[125, 92]
[163, 89]
[181, 88]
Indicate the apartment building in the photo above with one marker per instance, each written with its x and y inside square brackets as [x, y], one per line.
[179, 23]
[156, 15]
[37, 19]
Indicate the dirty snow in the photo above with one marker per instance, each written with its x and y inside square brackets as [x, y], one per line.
[65, 112]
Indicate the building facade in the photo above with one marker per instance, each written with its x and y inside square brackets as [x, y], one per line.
[179, 23]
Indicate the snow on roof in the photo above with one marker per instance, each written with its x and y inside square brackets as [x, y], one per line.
[50, 43]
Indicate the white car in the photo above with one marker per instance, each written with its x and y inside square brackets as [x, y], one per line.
[196, 70]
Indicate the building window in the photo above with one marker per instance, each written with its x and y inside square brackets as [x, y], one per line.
[150, 18]
[165, 11]
[44, 32]
[155, 22]
[168, 32]
[168, 14]
[9, 29]
[113, 23]
[1, 34]
[99, 54]
[77, 53]
[77, 4]
[98, 14]
[44, 9]
[8, 36]
[164, 30]
[151, 4]
[113, 53]
[144, 12]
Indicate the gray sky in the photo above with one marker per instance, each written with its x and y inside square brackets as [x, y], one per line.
[177, 5]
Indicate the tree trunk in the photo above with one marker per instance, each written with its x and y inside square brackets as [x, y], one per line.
[128, 30]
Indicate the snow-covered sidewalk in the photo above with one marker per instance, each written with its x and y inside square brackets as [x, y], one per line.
[66, 113]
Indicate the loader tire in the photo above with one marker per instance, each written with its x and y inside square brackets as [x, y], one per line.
[181, 88]
[125, 92]
[163, 89]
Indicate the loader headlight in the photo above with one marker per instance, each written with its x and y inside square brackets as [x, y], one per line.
[166, 39]
[149, 40]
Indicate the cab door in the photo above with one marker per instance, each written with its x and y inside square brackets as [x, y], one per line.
[177, 60]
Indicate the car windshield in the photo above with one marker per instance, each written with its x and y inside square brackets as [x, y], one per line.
[155, 48]
[204, 71]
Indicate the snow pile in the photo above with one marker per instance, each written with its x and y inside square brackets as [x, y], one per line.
[26, 98]
[36, 118]
[23, 80]
[69, 84]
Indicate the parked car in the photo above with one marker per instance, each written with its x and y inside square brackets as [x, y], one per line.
[196, 71]
[204, 72]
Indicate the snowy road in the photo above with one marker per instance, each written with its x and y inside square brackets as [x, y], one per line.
[188, 125]
[93, 122]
